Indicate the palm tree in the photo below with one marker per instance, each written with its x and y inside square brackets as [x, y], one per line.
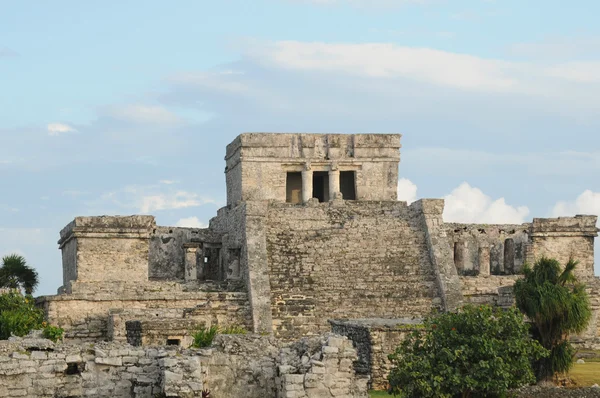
[557, 305]
[16, 274]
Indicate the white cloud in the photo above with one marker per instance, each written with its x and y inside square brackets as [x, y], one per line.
[580, 72]
[144, 114]
[146, 199]
[167, 201]
[168, 182]
[557, 48]
[56, 129]
[191, 222]
[383, 60]
[407, 190]
[587, 203]
[467, 204]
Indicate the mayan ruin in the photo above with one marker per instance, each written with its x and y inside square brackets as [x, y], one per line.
[313, 255]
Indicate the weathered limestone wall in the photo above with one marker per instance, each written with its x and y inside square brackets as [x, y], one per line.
[257, 163]
[69, 261]
[93, 317]
[243, 230]
[234, 366]
[565, 237]
[106, 248]
[440, 254]
[481, 248]
[347, 259]
[166, 251]
[320, 367]
[486, 289]
[374, 339]
[39, 368]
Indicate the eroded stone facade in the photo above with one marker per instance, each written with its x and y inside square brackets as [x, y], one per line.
[312, 231]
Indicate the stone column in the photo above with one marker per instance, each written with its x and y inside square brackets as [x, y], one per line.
[484, 260]
[509, 256]
[307, 184]
[191, 270]
[459, 255]
[334, 183]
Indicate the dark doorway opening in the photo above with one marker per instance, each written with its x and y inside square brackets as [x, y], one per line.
[348, 185]
[293, 187]
[173, 342]
[321, 186]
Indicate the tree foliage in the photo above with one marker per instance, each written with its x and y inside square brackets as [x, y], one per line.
[16, 274]
[18, 315]
[557, 305]
[478, 351]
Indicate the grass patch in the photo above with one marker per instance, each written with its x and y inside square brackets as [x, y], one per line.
[585, 374]
[378, 394]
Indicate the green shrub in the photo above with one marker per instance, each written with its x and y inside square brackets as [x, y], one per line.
[18, 315]
[204, 337]
[53, 333]
[478, 351]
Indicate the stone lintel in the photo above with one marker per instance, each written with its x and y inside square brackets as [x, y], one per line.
[108, 227]
[580, 225]
[309, 140]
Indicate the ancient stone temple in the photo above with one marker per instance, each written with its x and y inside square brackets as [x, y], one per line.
[312, 232]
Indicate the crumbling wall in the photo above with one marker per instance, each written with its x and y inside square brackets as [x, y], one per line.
[38, 368]
[374, 339]
[106, 248]
[243, 230]
[166, 251]
[481, 248]
[85, 317]
[347, 259]
[564, 238]
[486, 289]
[320, 367]
[235, 366]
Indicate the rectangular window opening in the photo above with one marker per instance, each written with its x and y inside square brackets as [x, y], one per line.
[321, 186]
[293, 187]
[348, 185]
[173, 342]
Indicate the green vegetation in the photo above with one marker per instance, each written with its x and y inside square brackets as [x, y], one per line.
[585, 374]
[18, 315]
[557, 305]
[479, 351]
[378, 394]
[53, 333]
[16, 274]
[203, 337]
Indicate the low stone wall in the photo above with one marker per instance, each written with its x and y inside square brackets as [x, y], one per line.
[249, 366]
[39, 368]
[162, 332]
[102, 316]
[374, 340]
[487, 289]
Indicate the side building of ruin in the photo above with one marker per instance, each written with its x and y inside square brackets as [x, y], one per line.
[312, 232]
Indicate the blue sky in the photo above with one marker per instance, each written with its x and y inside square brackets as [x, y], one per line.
[126, 107]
